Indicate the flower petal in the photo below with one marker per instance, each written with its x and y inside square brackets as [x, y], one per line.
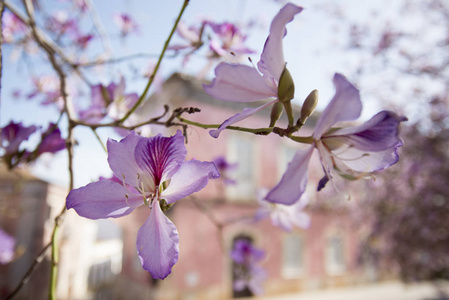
[272, 61]
[160, 156]
[345, 106]
[158, 244]
[379, 133]
[121, 158]
[365, 161]
[7, 247]
[239, 83]
[103, 199]
[191, 177]
[294, 181]
[247, 112]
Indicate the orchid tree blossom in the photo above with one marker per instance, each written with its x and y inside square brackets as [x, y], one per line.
[241, 83]
[283, 216]
[248, 272]
[229, 41]
[12, 27]
[192, 35]
[224, 167]
[47, 87]
[51, 140]
[125, 23]
[109, 100]
[151, 172]
[13, 134]
[7, 247]
[351, 151]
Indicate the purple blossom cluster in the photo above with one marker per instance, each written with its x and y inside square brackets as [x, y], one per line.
[14, 134]
[350, 151]
[247, 272]
[224, 40]
[7, 247]
[152, 171]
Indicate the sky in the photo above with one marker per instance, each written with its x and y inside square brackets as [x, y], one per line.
[313, 48]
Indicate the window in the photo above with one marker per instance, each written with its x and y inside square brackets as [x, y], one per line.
[241, 149]
[293, 255]
[335, 256]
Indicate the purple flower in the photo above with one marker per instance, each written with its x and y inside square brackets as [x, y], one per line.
[191, 34]
[126, 24]
[241, 83]
[60, 22]
[51, 140]
[351, 151]
[12, 135]
[149, 171]
[283, 216]
[248, 272]
[47, 86]
[7, 245]
[109, 100]
[11, 25]
[230, 39]
[224, 167]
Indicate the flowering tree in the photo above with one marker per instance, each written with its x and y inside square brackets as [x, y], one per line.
[152, 171]
[408, 205]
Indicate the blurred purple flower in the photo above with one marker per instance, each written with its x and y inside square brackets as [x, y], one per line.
[149, 171]
[51, 140]
[12, 135]
[83, 40]
[108, 100]
[60, 23]
[191, 34]
[351, 151]
[11, 26]
[47, 86]
[241, 83]
[224, 167]
[7, 246]
[230, 39]
[125, 23]
[248, 272]
[283, 216]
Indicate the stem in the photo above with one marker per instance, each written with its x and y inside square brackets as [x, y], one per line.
[289, 111]
[39, 258]
[156, 68]
[236, 128]
[54, 258]
[99, 139]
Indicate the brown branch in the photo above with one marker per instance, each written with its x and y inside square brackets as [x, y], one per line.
[37, 260]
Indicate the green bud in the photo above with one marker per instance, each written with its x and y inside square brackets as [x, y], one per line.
[309, 106]
[276, 112]
[286, 88]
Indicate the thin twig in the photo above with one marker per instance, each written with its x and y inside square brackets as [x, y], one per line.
[37, 260]
[156, 68]
[99, 139]
[51, 53]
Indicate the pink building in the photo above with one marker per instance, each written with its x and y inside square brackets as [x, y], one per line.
[324, 255]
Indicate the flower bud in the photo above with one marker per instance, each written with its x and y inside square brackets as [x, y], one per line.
[308, 107]
[286, 88]
[276, 112]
